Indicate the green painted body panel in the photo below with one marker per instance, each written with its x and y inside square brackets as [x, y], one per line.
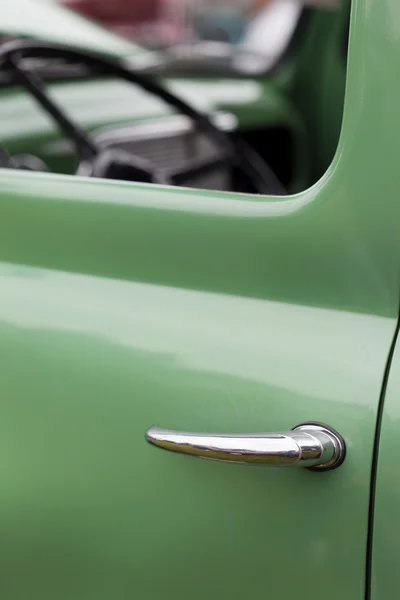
[90, 510]
[386, 544]
[318, 83]
[125, 305]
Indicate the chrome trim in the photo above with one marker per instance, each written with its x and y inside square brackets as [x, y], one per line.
[158, 129]
[308, 445]
[163, 128]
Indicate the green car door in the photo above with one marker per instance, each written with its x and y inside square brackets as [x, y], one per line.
[124, 306]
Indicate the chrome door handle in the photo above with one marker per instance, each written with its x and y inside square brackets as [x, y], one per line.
[310, 445]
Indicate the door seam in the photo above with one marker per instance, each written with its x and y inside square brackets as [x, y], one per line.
[374, 464]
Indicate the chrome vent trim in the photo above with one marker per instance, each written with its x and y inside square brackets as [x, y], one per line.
[159, 129]
[170, 142]
[167, 142]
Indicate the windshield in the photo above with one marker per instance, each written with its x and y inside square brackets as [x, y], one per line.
[246, 35]
[194, 35]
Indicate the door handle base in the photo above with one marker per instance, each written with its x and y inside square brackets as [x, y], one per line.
[340, 453]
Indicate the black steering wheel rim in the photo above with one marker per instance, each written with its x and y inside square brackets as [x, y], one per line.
[233, 149]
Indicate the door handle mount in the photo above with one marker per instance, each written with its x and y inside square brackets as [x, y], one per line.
[311, 445]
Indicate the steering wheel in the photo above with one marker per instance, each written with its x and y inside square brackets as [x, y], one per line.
[96, 161]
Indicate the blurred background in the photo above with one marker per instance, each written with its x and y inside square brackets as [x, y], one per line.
[210, 28]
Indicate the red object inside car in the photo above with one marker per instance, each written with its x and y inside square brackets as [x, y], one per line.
[145, 21]
[114, 13]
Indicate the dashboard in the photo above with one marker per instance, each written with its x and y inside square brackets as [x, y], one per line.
[121, 116]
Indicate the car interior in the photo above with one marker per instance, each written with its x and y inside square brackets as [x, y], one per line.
[75, 108]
